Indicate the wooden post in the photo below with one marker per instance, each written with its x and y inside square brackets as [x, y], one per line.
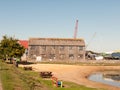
[61, 84]
[55, 81]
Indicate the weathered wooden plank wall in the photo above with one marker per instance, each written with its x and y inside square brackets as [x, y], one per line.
[58, 49]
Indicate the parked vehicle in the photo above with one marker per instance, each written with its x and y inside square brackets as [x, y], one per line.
[116, 55]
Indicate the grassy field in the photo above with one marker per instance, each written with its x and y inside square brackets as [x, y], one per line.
[14, 78]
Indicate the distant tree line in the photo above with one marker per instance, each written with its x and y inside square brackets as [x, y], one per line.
[10, 48]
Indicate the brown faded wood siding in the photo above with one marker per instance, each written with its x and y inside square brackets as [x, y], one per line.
[57, 48]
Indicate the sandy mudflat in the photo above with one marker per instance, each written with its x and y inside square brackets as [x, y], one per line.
[75, 73]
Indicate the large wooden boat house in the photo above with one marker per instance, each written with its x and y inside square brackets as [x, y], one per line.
[56, 48]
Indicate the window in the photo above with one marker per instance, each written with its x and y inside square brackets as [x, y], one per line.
[32, 47]
[80, 48]
[80, 56]
[70, 47]
[44, 47]
[71, 56]
[52, 56]
[61, 48]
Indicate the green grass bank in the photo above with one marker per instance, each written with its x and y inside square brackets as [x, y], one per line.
[13, 78]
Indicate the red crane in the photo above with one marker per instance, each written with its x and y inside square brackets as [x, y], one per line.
[76, 29]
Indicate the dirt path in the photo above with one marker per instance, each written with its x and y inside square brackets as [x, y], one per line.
[76, 74]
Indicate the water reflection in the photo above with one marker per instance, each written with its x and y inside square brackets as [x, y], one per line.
[106, 78]
[115, 77]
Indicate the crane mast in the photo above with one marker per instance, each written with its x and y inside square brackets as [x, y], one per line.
[76, 29]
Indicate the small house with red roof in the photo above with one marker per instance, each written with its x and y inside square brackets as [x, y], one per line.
[24, 43]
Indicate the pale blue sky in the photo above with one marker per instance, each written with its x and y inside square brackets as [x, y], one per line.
[56, 18]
